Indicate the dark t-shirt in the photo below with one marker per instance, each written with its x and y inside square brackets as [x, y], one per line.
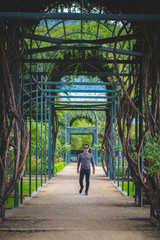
[85, 159]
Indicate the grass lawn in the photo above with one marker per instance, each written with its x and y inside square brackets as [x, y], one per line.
[10, 201]
[131, 188]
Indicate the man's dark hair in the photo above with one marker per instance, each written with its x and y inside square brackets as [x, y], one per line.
[85, 145]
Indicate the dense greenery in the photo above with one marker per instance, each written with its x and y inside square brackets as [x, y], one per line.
[131, 188]
[59, 166]
[151, 152]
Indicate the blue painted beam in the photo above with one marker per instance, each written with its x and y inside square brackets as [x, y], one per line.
[79, 102]
[96, 48]
[70, 102]
[83, 106]
[81, 128]
[84, 61]
[79, 91]
[75, 83]
[79, 83]
[81, 109]
[66, 41]
[65, 96]
[101, 74]
[79, 16]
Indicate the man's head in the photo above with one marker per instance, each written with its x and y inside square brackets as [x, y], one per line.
[86, 148]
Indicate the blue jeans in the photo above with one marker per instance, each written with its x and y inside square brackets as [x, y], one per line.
[85, 172]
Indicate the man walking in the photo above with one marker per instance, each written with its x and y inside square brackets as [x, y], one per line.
[85, 159]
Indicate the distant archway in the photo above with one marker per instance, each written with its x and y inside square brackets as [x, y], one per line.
[69, 130]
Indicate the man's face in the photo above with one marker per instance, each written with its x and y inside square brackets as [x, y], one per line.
[86, 149]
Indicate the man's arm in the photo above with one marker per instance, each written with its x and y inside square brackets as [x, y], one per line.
[78, 163]
[93, 164]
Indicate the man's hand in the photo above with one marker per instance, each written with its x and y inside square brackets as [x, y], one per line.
[78, 171]
[93, 171]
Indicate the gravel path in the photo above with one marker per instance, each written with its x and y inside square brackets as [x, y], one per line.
[59, 212]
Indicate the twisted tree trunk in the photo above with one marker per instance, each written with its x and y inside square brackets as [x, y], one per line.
[13, 130]
[149, 77]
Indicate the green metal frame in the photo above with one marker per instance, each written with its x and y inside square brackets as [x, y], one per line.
[79, 16]
[81, 131]
[45, 98]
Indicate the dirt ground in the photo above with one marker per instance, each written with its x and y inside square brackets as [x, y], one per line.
[58, 211]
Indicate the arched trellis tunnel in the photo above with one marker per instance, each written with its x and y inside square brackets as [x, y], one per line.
[69, 130]
[118, 60]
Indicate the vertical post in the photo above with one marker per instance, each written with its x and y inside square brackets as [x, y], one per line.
[10, 156]
[22, 101]
[49, 141]
[16, 195]
[123, 171]
[41, 135]
[119, 152]
[30, 132]
[94, 152]
[45, 136]
[53, 132]
[36, 134]
[128, 170]
[17, 94]
[123, 164]
[96, 143]
[115, 138]
[140, 195]
[69, 152]
[30, 139]
[66, 137]
[107, 156]
[136, 144]
[128, 180]
[96, 139]
[119, 159]
[111, 160]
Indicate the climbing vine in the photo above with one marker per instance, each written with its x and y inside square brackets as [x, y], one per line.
[141, 97]
[13, 130]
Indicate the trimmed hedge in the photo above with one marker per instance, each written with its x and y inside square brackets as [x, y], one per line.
[59, 166]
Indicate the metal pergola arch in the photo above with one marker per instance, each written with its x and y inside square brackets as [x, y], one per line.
[41, 86]
[48, 31]
[80, 131]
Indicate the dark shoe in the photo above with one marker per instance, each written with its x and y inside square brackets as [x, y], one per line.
[81, 189]
[86, 193]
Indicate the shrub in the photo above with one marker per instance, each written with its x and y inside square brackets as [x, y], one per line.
[120, 172]
[59, 166]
